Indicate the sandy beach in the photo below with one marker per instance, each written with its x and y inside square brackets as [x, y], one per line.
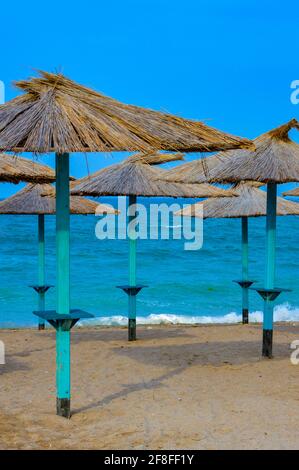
[177, 387]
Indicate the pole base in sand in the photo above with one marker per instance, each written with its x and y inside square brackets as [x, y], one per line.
[132, 292]
[132, 329]
[41, 326]
[63, 407]
[245, 316]
[267, 343]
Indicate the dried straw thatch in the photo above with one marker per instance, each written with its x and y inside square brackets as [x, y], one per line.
[190, 172]
[155, 158]
[58, 115]
[14, 169]
[275, 160]
[251, 202]
[292, 192]
[39, 199]
[139, 179]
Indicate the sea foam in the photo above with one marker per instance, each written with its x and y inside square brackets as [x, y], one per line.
[283, 312]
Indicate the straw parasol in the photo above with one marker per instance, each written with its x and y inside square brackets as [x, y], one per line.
[14, 169]
[276, 160]
[152, 158]
[190, 172]
[251, 202]
[134, 178]
[58, 115]
[39, 199]
[293, 192]
[155, 158]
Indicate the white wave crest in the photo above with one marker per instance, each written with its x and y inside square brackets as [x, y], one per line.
[282, 313]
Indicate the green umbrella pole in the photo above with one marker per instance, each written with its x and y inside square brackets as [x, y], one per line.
[245, 269]
[132, 272]
[63, 319]
[270, 268]
[63, 376]
[41, 268]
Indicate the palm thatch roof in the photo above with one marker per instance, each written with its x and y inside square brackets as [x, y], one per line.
[276, 159]
[139, 179]
[39, 199]
[14, 169]
[251, 202]
[190, 172]
[292, 192]
[56, 114]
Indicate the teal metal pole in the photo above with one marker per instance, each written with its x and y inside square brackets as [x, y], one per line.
[63, 376]
[270, 268]
[132, 272]
[41, 268]
[245, 269]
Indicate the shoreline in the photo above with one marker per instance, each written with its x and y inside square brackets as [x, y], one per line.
[284, 312]
[151, 326]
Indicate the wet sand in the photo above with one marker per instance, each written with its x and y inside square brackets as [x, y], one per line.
[177, 387]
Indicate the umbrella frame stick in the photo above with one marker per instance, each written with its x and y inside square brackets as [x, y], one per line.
[132, 270]
[63, 319]
[270, 268]
[63, 375]
[245, 269]
[41, 268]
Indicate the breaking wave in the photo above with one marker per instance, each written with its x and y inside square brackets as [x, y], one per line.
[282, 313]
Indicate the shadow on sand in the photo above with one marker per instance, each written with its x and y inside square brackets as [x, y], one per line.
[11, 365]
[180, 357]
[211, 353]
[131, 388]
[121, 334]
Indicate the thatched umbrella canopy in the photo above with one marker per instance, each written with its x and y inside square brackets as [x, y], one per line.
[155, 158]
[132, 178]
[152, 158]
[14, 169]
[251, 202]
[191, 172]
[293, 192]
[275, 160]
[58, 115]
[39, 199]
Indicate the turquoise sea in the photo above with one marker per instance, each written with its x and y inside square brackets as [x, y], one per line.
[183, 286]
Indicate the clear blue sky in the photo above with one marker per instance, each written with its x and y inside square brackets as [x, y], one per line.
[229, 62]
